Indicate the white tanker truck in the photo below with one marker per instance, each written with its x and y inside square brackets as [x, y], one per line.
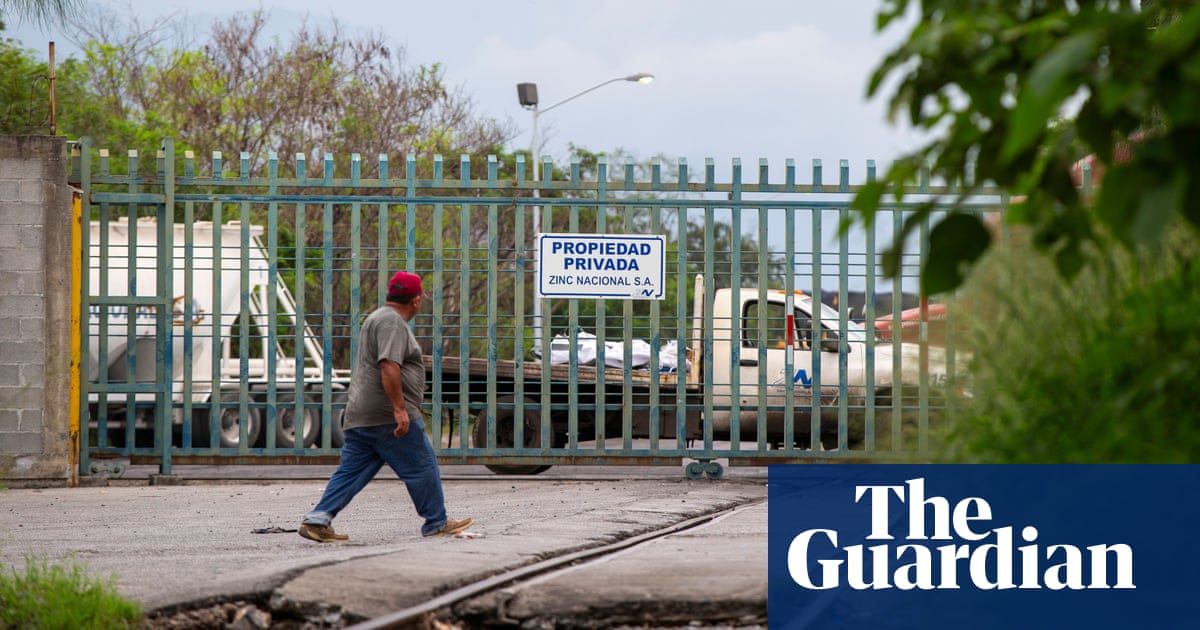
[216, 308]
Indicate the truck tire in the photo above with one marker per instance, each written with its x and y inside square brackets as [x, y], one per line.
[505, 433]
[228, 429]
[285, 421]
[336, 437]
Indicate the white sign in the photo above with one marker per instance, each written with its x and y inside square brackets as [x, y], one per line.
[601, 265]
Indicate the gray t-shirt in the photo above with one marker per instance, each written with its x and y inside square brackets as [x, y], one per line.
[384, 335]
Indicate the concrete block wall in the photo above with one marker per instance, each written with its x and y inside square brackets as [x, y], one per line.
[35, 303]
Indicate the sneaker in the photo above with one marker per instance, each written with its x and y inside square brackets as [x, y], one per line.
[453, 526]
[321, 533]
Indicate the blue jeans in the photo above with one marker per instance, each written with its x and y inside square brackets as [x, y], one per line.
[364, 453]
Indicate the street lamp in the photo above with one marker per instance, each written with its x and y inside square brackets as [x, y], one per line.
[528, 97]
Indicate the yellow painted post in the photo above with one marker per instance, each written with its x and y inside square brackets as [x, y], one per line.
[76, 298]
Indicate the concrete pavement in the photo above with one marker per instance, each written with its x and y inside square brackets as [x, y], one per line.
[170, 546]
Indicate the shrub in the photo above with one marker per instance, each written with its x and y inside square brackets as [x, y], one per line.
[49, 597]
[1096, 370]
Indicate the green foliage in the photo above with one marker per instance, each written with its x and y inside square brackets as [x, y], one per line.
[961, 238]
[24, 91]
[988, 79]
[1096, 370]
[53, 597]
[321, 91]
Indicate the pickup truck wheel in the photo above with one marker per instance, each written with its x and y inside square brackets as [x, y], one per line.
[505, 434]
[285, 421]
[229, 425]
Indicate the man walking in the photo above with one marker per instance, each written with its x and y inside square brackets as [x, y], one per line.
[383, 420]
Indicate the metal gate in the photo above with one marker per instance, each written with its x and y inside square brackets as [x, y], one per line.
[221, 303]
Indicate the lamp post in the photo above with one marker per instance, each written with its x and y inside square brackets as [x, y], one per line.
[528, 97]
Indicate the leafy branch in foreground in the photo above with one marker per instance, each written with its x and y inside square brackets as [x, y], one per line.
[989, 79]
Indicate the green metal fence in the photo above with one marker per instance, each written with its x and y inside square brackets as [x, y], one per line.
[222, 301]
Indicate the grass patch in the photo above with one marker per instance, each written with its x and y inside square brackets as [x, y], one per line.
[50, 597]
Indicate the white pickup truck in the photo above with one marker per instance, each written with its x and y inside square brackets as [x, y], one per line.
[780, 344]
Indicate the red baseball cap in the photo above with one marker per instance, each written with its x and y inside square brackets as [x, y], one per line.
[404, 283]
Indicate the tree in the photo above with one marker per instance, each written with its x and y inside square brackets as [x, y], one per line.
[325, 91]
[988, 78]
[321, 92]
[24, 94]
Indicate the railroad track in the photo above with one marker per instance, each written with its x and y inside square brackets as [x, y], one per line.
[406, 617]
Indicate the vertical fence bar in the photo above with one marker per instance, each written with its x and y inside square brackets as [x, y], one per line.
[627, 334]
[764, 313]
[655, 333]
[682, 373]
[843, 313]
[923, 388]
[85, 316]
[493, 306]
[270, 412]
[165, 369]
[131, 314]
[898, 411]
[601, 311]
[465, 183]
[218, 321]
[327, 264]
[735, 312]
[520, 286]
[709, 323]
[189, 320]
[244, 326]
[789, 285]
[355, 292]
[301, 318]
[572, 332]
[543, 223]
[85, 312]
[816, 330]
[869, 316]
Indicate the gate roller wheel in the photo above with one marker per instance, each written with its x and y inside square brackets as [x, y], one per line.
[698, 469]
[714, 470]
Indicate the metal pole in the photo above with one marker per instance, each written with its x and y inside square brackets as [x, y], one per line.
[535, 150]
[53, 94]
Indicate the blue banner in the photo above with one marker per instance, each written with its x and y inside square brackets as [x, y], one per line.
[959, 546]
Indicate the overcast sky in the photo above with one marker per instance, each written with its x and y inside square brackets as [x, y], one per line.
[753, 79]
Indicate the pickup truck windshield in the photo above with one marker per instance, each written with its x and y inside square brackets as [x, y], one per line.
[775, 325]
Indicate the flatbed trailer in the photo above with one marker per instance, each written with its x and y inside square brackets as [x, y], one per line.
[507, 390]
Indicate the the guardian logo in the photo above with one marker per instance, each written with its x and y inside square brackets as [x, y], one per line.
[945, 546]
